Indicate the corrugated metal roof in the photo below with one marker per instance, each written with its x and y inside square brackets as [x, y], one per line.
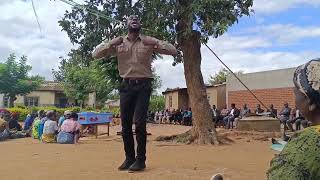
[50, 86]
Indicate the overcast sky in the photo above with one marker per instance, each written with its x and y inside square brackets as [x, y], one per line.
[280, 34]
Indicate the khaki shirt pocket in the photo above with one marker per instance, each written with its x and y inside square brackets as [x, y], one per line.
[144, 54]
[123, 52]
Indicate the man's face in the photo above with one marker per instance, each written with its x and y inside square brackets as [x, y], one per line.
[286, 105]
[214, 107]
[133, 23]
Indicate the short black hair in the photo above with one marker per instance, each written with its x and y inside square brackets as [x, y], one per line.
[74, 115]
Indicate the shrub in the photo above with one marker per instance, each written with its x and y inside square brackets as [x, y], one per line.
[22, 112]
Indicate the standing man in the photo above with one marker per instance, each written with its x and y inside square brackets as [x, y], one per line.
[134, 53]
[285, 115]
[216, 114]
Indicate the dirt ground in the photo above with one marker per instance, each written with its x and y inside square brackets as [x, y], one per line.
[97, 159]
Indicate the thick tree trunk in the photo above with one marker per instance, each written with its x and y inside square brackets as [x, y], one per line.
[203, 131]
[12, 98]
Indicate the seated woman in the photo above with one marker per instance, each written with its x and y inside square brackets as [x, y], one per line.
[27, 128]
[36, 124]
[70, 130]
[50, 128]
[300, 157]
[13, 123]
[4, 132]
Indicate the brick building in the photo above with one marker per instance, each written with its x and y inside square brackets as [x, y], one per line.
[271, 87]
[178, 98]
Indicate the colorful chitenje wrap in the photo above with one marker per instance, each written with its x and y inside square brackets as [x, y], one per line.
[49, 138]
[300, 158]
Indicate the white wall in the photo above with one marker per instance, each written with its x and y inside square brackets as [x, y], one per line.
[262, 80]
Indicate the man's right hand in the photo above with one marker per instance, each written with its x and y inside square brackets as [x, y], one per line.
[116, 41]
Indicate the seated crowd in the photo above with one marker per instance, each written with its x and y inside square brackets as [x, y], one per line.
[229, 118]
[43, 126]
[179, 116]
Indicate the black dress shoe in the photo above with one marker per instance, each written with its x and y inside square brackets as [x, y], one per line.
[137, 166]
[126, 164]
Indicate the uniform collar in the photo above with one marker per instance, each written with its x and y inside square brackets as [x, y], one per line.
[139, 37]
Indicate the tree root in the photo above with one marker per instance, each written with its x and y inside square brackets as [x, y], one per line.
[189, 138]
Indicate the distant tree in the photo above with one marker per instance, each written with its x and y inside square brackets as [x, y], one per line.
[15, 79]
[156, 83]
[221, 76]
[157, 103]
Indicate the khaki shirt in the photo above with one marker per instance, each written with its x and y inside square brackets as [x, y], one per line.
[134, 57]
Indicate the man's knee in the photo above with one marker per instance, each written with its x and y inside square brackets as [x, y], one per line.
[126, 130]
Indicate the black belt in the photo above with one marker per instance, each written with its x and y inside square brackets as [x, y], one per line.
[136, 80]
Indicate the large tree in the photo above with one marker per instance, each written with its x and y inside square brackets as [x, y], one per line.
[15, 79]
[188, 23]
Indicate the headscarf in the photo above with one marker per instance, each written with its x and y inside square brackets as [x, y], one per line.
[67, 113]
[14, 115]
[307, 80]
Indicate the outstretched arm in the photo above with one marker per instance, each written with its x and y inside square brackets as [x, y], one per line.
[160, 47]
[106, 48]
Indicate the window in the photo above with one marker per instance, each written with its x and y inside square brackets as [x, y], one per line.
[31, 101]
[170, 101]
[6, 101]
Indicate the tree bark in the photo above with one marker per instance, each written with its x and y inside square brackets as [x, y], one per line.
[12, 98]
[203, 130]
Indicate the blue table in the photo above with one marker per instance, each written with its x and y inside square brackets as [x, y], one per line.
[92, 118]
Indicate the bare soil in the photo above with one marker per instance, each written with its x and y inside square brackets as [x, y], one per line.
[247, 158]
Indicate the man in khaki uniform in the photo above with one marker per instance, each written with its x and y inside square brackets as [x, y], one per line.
[134, 54]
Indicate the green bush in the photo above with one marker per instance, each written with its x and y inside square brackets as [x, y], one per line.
[24, 111]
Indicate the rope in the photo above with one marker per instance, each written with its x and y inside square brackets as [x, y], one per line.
[237, 77]
[36, 15]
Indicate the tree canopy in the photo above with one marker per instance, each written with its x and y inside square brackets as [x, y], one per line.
[221, 76]
[15, 79]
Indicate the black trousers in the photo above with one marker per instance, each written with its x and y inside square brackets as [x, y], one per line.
[134, 102]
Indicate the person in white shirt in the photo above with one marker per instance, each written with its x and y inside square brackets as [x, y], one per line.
[228, 120]
[50, 128]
